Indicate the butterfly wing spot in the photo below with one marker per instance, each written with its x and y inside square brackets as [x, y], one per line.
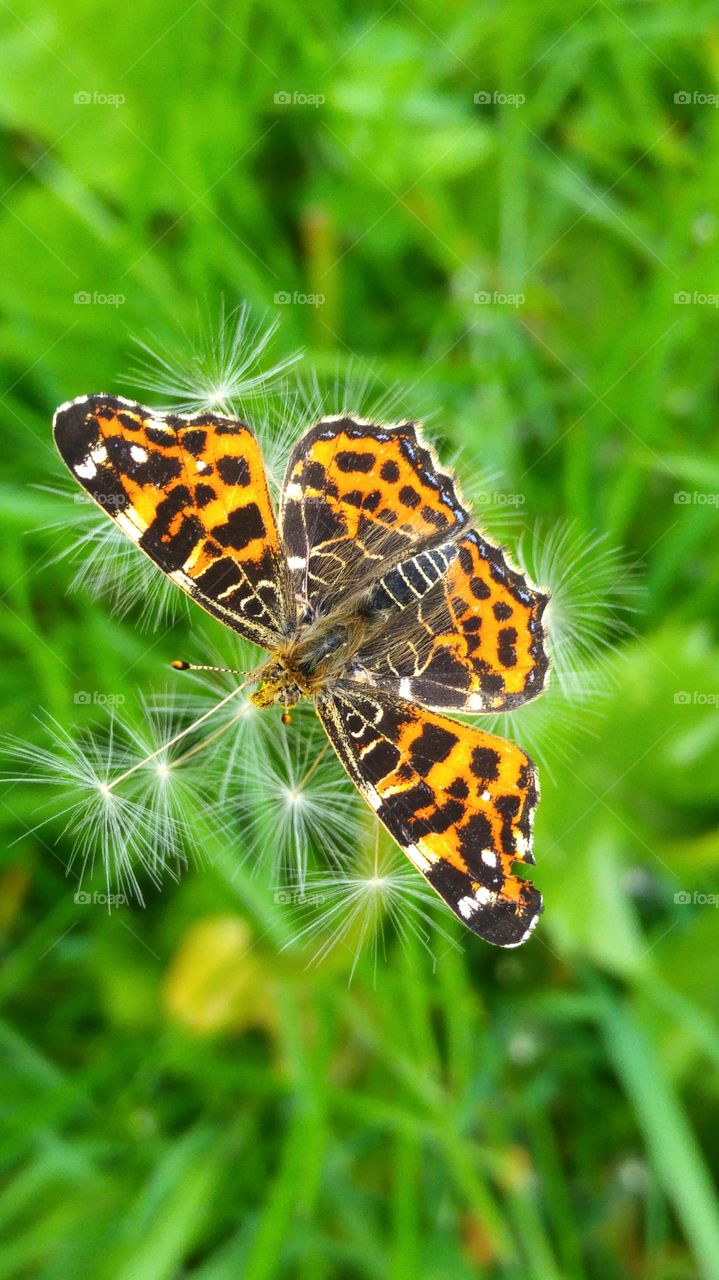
[133, 529]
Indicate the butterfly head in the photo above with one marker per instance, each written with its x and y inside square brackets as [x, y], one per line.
[278, 683]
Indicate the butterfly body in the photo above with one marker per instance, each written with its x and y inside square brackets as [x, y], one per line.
[375, 595]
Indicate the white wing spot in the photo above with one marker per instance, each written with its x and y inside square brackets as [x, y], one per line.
[128, 526]
[374, 798]
[417, 857]
[467, 907]
[86, 470]
[138, 454]
[525, 935]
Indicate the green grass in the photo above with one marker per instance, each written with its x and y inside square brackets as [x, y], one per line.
[528, 1116]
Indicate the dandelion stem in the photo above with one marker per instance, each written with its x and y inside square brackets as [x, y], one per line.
[183, 733]
[200, 746]
[315, 764]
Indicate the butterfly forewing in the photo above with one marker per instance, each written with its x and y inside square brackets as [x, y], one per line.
[357, 498]
[192, 493]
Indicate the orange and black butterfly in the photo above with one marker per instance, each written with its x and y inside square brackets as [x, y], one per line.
[375, 595]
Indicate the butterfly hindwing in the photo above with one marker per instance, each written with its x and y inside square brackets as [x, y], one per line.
[192, 493]
[469, 638]
[458, 801]
[357, 497]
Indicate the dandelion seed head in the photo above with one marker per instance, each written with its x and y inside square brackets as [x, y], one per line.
[115, 829]
[221, 365]
[555, 726]
[487, 493]
[358, 907]
[353, 387]
[290, 799]
[594, 592]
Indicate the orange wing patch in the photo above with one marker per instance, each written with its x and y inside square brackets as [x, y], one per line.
[469, 639]
[192, 493]
[458, 801]
[359, 496]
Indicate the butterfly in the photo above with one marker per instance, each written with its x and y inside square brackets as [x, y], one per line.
[375, 594]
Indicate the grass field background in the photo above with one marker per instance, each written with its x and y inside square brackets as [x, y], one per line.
[501, 219]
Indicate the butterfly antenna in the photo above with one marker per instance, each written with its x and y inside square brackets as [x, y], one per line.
[180, 665]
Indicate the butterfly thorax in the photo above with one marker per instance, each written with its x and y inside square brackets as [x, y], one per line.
[321, 651]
